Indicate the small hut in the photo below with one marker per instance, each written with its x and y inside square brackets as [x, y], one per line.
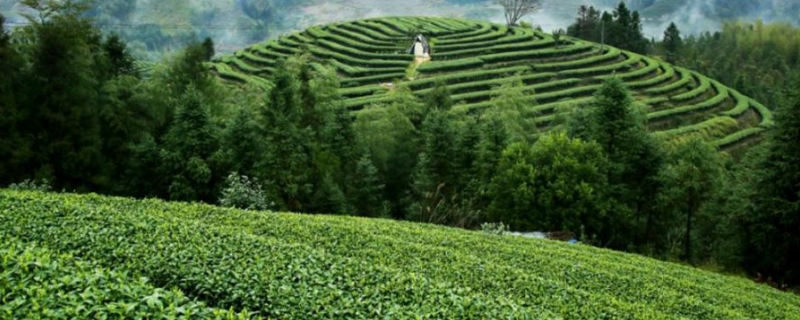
[420, 48]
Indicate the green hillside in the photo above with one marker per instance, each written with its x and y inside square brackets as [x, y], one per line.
[473, 57]
[281, 265]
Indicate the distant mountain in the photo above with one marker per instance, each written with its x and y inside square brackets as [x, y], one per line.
[153, 27]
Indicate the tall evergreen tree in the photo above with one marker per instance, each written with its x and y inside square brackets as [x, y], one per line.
[439, 98]
[672, 43]
[62, 104]
[774, 227]
[188, 148]
[635, 159]
[691, 177]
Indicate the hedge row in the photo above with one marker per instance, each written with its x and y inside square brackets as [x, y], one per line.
[327, 54]
[339, 31]
[737, 137]
[479, 85]
[467, 76]
[742, 104]
[319, 267]
[482, 28]
[703, 87]
[606, 68]
[358, 54]
[722, 123]
[685, 77]
[610, 54]
[650, 66]
[496, 34]
[514, 37]
[722, 95]
[767, 120]
[536, 54]
[522, 44]
[667, 72]
[450, 65]
[37, 283]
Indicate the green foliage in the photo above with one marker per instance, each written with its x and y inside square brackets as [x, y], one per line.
[39, 283]
[497, 228]
[691, 176]
[245, 193]
[556, 185]
[772, 239]
[31, 185]
[294, 264]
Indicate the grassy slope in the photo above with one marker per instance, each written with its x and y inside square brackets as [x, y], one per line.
[297, 266]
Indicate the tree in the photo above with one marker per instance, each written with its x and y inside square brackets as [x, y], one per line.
[672, 43]
[571, 175]
[691, 177]
[635, 160]
[188, 146]
[516, 9]
[367, 189]
[772, 230]
[438, 98]
[513, 189]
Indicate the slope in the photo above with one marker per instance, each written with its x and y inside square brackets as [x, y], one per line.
[473, 57]
[306, 267]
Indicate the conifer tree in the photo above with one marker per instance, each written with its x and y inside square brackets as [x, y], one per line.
[773, 237]
[672, 43]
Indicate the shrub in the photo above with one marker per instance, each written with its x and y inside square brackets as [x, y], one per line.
[31, 185]
[243, 193]
[494, 228]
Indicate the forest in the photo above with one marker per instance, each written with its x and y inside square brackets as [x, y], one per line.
[78, 116]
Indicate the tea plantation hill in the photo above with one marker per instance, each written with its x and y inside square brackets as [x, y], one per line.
[294, 266]
[473, 57]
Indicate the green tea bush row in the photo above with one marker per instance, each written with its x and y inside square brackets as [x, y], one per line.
[37, 283]
[610, 54]
[715, 124]
[702, 88]
[522, 45]
[341, 31]
[667, 73]
[383, 51]
[685, 77]
[355, 53]
[495, 34]
[468, 76]
[722, 95]
[368, 30]
[326, 54]
[602, 69]
[742, 104]
[767, 119]
[538, 54]
[737, 137]
[482, 28]
[450, 65]
[552, 276]
[482, 85]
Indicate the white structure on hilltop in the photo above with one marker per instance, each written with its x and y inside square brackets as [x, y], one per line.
[420, 48]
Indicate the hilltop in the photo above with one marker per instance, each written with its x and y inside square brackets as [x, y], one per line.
[473, 57]
[283, 265]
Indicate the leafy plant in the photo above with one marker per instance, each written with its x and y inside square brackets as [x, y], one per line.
[244, 193]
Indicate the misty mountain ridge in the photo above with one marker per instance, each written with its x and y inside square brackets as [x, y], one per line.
[153, 27]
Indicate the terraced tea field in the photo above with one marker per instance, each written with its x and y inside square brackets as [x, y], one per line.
[473, 57]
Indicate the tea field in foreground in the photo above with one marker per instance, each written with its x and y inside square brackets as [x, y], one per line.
[295, 266]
